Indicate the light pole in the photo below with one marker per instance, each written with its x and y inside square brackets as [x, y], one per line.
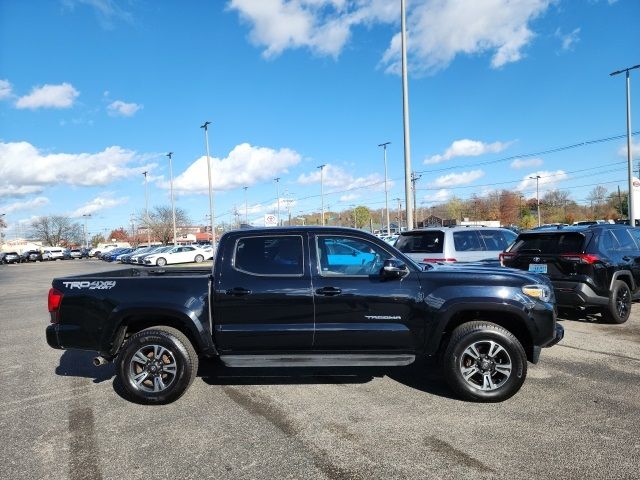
[399, 214]
[1, 228]
[414, 178]
[405, 117]
[86, 215]
[277, 180]
[246, 207]
[321, 167]
[537, 179]
[205, 125]
[146, 209]
[173, 204]
[386, 191]
[632, 214]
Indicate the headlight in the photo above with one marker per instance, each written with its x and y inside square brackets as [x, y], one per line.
[541, 292]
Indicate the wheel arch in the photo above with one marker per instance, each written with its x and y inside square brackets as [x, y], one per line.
[626, 277]
[509, 319]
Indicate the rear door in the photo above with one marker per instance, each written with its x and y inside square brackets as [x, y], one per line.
[263, 298]
[468, 246]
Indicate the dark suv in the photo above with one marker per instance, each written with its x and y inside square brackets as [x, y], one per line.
[595, 267]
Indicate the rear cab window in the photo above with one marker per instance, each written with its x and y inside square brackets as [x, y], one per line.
[431, 241]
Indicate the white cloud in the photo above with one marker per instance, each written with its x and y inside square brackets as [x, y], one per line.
[568, 40]
[349, 196]
[97, 204]
[245, 165]
[438, 30]
[453, 179]
[467, 148]
[5, 89]
[440, 196]
[49, 96]
[119, 108]
[337, 179]
[547, 179]
[528, 163]
[107, 11]
[635, 150]
[82, 169]
[34, 203]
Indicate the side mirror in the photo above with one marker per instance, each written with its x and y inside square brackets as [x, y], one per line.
[393, 268]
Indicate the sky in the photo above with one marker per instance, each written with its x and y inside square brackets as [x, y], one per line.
[95, 92]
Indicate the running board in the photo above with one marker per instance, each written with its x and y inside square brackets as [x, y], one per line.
[317, 360]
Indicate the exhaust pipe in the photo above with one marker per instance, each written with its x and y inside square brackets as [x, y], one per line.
[99, 361]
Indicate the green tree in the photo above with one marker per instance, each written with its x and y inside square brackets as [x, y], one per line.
[96, 239]
[362, 216]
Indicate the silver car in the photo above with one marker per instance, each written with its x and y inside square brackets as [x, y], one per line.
[454, 244]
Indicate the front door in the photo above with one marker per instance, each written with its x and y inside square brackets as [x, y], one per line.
[356, 309]
[263, 300]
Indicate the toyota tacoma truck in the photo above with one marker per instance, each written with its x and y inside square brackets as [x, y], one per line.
[307, 296]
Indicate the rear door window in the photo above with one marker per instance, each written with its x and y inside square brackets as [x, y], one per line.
[625, 242]
[555, 243]
[467, 241]
[431, 241]
[269, 255]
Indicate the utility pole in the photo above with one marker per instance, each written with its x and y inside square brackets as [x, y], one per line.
[353, 212]
[399, 200]
[386, 191]
[85, 216]
[146, 209]
[537, 179]
[619, 200]
[277, 180]
[246, 207]
[321, 167]
[405, 116]
[630, 208]
[414, 178]
[133, 230]
[205, 125]
[173, 204]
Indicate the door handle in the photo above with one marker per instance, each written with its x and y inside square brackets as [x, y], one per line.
[238, 291]
[329, 291]
[626, 259]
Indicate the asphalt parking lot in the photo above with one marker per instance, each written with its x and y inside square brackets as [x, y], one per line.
[577, 416]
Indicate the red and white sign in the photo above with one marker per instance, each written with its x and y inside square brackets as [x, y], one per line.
[270, 220]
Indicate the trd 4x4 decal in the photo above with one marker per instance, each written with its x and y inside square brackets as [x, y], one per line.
[95, 285]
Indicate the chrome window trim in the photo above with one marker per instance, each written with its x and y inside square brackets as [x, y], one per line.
[290, 275]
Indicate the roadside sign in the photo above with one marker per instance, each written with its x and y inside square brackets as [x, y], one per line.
[270, 220]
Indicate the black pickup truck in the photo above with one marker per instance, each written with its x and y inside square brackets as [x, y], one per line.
[307, 296]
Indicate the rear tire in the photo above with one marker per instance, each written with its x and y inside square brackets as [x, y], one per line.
[161, 262]
[157, 366]
[619, 308]
[484, 362]
[199, 259]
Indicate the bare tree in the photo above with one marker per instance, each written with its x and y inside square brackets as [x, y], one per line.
[56, 230]
[160, 222]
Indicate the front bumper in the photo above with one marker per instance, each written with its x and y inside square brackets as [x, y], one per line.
[537, 349]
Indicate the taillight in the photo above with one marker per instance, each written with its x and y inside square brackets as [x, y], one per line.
[580, 258]
[54, 300]
[505, 256]
[438, 260]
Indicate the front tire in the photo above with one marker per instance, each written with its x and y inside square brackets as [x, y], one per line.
[199, 259]
[484, 362]
[161, 262]
[157, 365]
[619, 308]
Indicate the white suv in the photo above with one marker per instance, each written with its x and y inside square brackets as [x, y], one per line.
[454, 244]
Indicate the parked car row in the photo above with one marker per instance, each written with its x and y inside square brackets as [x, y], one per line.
[47, 253]
[158, 255]
[594, 266]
